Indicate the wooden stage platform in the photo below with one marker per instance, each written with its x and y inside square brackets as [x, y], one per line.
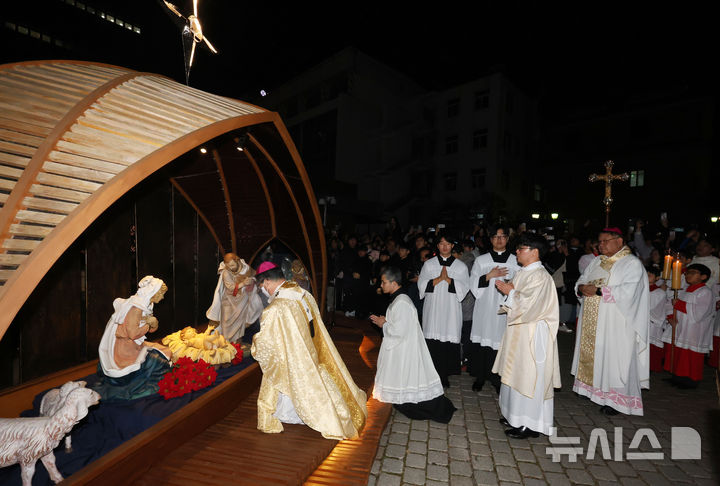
[233, 451]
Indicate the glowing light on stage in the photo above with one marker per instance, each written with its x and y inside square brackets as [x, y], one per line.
[203, 150]
[714, 219]
[263, 93]
[554, 215]
[535, 216]
[240, 149]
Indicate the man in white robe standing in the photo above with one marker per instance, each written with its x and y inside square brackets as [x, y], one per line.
[405, 373]
[527, 359]
[612, 359]
[236, 304]
[442, 284]
[488, 326]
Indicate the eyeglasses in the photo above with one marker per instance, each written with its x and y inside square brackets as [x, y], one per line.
[608, 239]
[504, 237]
[521, 248]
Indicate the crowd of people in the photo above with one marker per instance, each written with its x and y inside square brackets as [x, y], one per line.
[491, 300]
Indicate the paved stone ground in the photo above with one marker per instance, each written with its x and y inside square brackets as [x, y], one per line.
[473, 449]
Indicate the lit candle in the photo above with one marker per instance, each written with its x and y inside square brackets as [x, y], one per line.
[667, 267]
[676, 275]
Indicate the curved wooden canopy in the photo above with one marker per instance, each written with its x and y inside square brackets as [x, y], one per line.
[76, 136]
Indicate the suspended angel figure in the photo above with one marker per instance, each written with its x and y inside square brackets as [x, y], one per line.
[191, 34]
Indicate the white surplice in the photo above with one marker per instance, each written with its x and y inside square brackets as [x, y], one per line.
[527, 360]
[694, 330]
[442, 311]
[660, 307]
[621, 350]
[488, 326]
[405, 371]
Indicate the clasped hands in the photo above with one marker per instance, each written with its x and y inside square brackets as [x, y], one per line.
[377, 320]
[588, 290]
[152, 323]
[442, 278]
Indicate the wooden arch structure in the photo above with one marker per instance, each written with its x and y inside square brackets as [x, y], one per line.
[76, 136]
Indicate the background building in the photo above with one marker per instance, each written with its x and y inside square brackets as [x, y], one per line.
[381, 145]
[665, 141]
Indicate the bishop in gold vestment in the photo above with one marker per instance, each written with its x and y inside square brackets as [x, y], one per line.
[304, 378]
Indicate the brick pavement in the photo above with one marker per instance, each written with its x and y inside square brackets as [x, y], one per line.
[473, 449]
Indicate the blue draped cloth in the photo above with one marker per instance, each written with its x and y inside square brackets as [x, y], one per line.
[138, 384]
[108, 425]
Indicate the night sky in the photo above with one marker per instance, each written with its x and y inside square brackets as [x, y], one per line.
[569, 54]
[582, 54]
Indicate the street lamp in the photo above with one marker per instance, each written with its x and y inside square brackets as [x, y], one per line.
[324, 201]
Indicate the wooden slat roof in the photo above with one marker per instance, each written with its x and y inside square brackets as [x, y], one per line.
[76, 136]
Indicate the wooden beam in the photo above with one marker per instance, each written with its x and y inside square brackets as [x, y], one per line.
[228, 200]
[298, 212]
[290, 145]
[264, 186]
[200, 213]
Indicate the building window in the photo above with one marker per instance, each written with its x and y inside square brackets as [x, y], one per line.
[451, 144]
[480, 138]
[482, 100]
[637, 178]
[453, 107]
[477, 178]
[450, 180]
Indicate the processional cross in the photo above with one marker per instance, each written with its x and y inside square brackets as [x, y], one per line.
[608, 177]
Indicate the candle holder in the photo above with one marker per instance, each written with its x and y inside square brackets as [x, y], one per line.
[676, 285]
[667, 267]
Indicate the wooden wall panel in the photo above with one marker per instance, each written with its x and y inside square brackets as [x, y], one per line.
[110, 259]
[208, 259]
[52, 328]
[10, 357]
[153, 220]
[184, 284]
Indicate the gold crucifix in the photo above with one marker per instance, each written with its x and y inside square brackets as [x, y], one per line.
[608, 177]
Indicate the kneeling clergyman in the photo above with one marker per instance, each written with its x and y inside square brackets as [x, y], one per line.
[527, 360]
[406, 376]
[304, 378]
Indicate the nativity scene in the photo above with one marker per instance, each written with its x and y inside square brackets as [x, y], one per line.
[93, 189]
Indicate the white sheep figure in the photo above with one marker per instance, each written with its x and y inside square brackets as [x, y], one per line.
[53, 400]
[24, 440]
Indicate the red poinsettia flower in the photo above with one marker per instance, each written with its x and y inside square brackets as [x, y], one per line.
[186, 376]
[239, 356]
